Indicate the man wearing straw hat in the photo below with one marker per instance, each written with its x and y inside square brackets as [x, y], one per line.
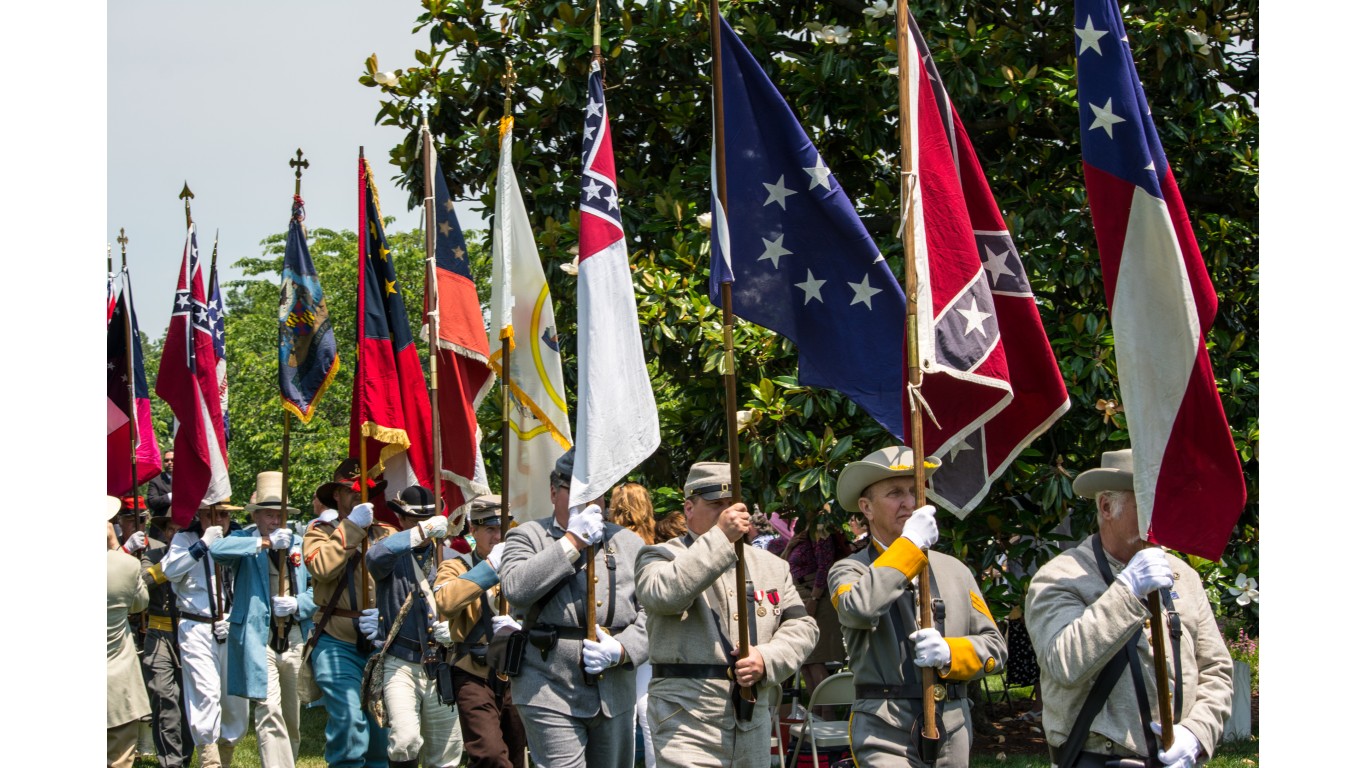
[467, 593]
[1088, 618]
[266, 629]
[687, 586]
[339, 644]
[875, 592]
[217, 720]
[421, 726]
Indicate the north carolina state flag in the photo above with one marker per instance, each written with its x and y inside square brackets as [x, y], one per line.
[1188, 477]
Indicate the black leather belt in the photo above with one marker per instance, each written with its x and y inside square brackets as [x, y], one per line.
[197, 617]
[951, 691]
[693, 671]
[1098, 760]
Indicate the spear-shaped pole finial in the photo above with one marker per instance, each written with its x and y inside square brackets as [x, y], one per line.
[187, 196]
[508, 80]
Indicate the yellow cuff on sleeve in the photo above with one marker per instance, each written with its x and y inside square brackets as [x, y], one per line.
[903, 556]
[963, 661]
[841, 589]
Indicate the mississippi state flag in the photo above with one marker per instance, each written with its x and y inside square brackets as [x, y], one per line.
[990, 378]
[1187, 474]
[188, 381]
[618, 424]
[123, 325]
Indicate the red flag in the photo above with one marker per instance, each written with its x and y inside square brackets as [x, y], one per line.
[123, 325]
[389, 402]
[188, 381]
[991, 380]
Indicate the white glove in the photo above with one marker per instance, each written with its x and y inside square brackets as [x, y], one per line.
[211, 534]
[495, 557]
[284, 605]
[362, 514]
[281, 538]
[503, 624]
[921, 529]
[441, 632]
[931, 650]
[434, 527]
[135, 543]
[1146, 571]
[602, 654]
[587, 524]
[220, 628]
[369, 624]
[1185, 747]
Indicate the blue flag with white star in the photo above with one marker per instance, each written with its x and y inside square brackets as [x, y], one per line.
[799, 260]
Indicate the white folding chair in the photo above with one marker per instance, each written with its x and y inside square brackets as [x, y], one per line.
[836, 690]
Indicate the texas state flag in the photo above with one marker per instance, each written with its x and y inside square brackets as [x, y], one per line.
[1187, 474]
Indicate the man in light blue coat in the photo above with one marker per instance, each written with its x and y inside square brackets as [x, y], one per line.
[266, 628]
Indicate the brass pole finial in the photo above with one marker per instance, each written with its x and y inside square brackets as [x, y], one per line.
[508, 80]
[187, 196]
[298, 164]
[123, 250]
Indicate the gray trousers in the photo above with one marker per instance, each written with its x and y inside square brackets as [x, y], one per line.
[557, 740]
[882, 733]
[161, 671]
[684, 740]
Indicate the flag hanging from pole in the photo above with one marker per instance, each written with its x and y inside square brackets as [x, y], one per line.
[1188, 477]
[123, 325]
[308, 348]
[522, 312]
[618, 423]
[217, 313]
[990, 378]
[188, 381]
[462, 353]
[799, 260]
[390, 405]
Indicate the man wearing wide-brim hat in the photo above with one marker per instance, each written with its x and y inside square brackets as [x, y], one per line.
[876, 594]
[126, 702]
[467, 592]
[267, 628]
[217, 720]
[161, 665]
[1088, 619]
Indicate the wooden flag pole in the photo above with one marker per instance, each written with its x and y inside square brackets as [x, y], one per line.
[130, 373]
[362, 481]
[425, 101]
[590, 620]
[508, 80]
[1164, 691]
[929, 726]
[298, 163]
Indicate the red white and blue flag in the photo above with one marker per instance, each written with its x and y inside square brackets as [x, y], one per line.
[218, 312]
[188, 381]
[1188, 477]
[123, 325]
[618, 423]
[990, 378]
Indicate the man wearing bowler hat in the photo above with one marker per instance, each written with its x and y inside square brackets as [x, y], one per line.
[467, 592]
[876, 594]
[1087, 612]
[687, 586]
[267, 629]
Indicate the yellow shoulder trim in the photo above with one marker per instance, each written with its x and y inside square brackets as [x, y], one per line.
[841, 589]
[981, 606]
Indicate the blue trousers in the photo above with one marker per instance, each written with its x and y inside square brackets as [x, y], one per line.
[354, 739]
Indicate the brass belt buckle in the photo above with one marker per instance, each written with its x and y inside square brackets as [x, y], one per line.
[941, 692]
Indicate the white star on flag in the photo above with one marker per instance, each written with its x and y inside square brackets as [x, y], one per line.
[1105, 118]
[812, 288]
[444, 227]
[588, 131]
[820, 174]
[778, 193]
[962, 445]
[996, 264]
[595, 108]
[182, 300]
[1090, 38]
[864, 293]
[611, 199]
[774, 250]
[974, 318]
[592, 189]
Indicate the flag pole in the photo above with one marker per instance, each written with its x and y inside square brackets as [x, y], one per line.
[930, 738]
[508, 80]
[728, 326]
[128, 342]
[362, 481]
[590, 622]
[298, 163]
[425, 101]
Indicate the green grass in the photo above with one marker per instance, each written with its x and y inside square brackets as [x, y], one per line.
[1237, 754]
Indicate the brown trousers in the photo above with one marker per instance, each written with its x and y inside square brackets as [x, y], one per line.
[494, 737]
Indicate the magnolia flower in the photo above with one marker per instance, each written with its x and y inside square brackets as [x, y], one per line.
[1199, 42]
[387, 78]
[825, 33]
[878, 9]
[745, 418]
[571, 267]
[704, 219]
[1245, 589]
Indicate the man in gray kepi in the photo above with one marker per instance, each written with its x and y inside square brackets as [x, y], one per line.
[576, 693]
[875, 593]
[1087, 614]
[687, 585]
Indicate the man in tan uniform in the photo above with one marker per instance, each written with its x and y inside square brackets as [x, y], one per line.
[1087, 614]
[687, 588]
[126, 702]
[875, 592]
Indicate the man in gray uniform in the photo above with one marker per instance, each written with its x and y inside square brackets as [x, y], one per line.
[161, 657]
[569, 720]
[687, 586]
[1088, 617]
[875, 592]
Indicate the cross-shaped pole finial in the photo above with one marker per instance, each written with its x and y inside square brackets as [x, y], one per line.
[298, 164]
[425, 102]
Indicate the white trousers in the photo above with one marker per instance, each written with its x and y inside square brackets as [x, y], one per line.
[277, 718]
[213, 715]
[644, 672]
[420, 726]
